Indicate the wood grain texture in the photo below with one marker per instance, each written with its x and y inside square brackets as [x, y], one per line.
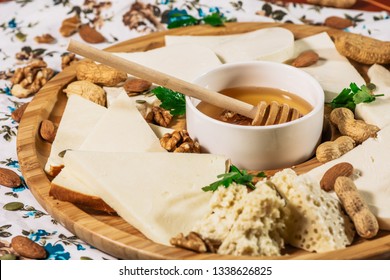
[111, 234]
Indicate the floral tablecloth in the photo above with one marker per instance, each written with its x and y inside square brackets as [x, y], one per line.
[22, 21]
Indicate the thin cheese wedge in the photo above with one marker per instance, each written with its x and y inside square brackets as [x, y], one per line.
[333, 71]
[371, 162]
[122, 129]
[316, 220]
[205, 41]
[79, 118]
[273, 44]
[185, 62]
[380, 76]
[158, 193]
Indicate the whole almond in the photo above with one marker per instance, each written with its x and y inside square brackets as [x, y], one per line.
[28, 248]
[17, 114]
[136, 86]
[338, 22]
[306, 59]
[9, 178]
[90, 34]
[48, 130]
[341, 169]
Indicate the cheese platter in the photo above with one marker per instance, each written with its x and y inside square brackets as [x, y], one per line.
[109, 232]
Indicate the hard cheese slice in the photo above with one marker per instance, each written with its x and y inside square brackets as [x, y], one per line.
[371, 161]
[316, 221]
[122, 129]
[185, 62]
[377, 112]
[333, 71]
[274, 44]
[158, 193]
[79, 118]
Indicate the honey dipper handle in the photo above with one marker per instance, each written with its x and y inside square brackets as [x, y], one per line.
[162, 79]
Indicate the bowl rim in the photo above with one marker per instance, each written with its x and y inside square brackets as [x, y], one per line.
[223, 67]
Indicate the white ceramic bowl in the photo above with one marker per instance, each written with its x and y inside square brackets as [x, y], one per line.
[259, 147]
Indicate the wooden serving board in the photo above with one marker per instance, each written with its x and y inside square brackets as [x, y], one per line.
[112, 234]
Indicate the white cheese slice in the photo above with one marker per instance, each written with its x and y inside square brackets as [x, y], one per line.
[185, 62]
[158, 193]
[316, 222]
[377, 112]
[380, 76]
[205, 41]
[274, 44]
[79, 118]
[333, 71]
[371, 161]
[122, 129]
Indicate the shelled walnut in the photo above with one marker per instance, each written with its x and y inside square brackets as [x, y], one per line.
[179, 141]
[29, 80]
[68, 59]
[159, 116]
[194, 241]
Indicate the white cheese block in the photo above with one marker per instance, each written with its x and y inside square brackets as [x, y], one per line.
[316, 220]
[274, 44]
[79, 118]
[377, 112]
[333, 71]
[122, 129]
[371, 161]
[158, 193]
[185, 62]
[380, 76]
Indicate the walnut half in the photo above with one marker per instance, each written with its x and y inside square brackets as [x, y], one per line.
[179, 141]
[194, 241]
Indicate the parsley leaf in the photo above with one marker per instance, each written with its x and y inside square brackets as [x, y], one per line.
[215, 19]
[350, 97]
[235, 175]
[171, 100]
[180, 18]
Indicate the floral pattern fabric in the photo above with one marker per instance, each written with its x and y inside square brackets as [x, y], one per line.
[22, 20]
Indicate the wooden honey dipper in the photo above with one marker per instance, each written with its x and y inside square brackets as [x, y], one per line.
[274, 113]
[257, 113]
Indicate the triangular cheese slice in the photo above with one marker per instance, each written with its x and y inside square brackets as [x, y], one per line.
[122, 129]
[158, 193]
[79, 118]
[333, 71]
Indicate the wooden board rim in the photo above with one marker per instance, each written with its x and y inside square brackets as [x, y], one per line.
[88, 227]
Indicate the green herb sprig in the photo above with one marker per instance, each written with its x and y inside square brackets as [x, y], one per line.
[171, 100]
[235, 175]
[350, 97]
[180, 20]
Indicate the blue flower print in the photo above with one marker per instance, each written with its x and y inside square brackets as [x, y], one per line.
[12, 23]
[56, 252]
[36, 236]
[80, 247]
[163, 2]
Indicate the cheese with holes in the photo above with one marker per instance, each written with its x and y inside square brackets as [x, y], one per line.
[79, 118]
[316, 220]
[158, 193]
[185, 62]
[371, 163]
[333, 71]
[259, 228]
[274, 44]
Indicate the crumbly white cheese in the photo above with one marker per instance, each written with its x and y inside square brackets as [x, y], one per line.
[259, 228]
[316, 221]
[247, 223]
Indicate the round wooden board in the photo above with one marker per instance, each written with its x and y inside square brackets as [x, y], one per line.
[111, 234]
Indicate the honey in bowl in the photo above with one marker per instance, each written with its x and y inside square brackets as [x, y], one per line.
[255, 95]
